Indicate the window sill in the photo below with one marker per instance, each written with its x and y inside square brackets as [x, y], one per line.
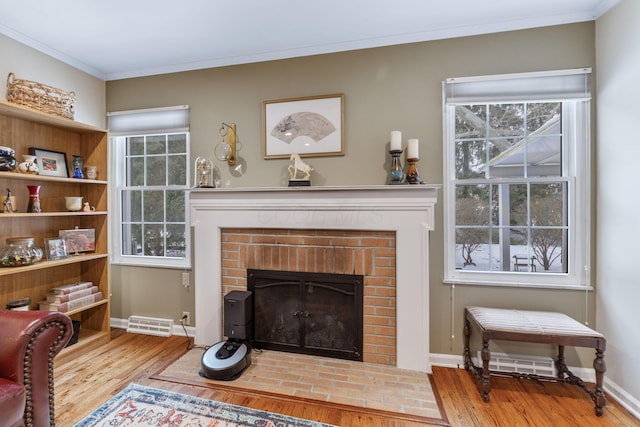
[518, 285]
[159, 263]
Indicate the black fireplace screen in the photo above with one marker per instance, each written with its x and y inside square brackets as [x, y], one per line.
[310, 313]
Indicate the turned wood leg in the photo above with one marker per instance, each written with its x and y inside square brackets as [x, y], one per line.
[600, 368]
[467, 353]
[561, 366]
[486, 383]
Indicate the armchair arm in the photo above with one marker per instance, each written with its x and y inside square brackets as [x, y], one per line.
[29, 340]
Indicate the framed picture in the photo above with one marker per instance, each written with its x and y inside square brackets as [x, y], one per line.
[79, 240]
[55, 248]
[311, 127]
[50, 163]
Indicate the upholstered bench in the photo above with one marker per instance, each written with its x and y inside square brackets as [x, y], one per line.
[534, 327]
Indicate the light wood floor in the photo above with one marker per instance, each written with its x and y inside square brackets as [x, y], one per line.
[91, 379]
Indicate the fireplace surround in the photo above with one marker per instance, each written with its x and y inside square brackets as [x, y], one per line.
[407, 211]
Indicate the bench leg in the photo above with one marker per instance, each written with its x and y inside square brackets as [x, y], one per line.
[600, 368]
[468, 364]
[486, 383]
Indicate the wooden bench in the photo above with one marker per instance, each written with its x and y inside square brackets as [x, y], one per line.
[535, 327]
[523, 261]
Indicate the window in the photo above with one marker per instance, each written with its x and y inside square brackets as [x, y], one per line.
[517, 179]
[150, 152]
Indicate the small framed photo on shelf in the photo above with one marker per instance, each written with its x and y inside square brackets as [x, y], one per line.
[55, 248]
[79, 240]
[50, 163]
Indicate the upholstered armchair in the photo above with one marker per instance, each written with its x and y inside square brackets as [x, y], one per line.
[29, 340]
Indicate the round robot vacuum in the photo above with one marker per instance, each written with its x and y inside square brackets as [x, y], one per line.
[225, 360]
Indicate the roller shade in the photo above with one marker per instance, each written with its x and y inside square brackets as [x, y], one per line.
[546, 86]
[152, 120]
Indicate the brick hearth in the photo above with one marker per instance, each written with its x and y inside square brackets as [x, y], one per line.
[368, 253]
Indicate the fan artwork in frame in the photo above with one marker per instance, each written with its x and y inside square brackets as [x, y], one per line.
[311, 126]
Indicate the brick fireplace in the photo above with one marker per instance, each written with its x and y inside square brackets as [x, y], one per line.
[368, 253]
[381, 232]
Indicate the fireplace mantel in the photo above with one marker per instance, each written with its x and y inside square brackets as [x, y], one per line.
[407, 209]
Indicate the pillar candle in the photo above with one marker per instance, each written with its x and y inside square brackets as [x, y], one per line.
[412, 149]
[396, 140]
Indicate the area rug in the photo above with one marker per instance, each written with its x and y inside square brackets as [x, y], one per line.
[138, 405]
[345, 384]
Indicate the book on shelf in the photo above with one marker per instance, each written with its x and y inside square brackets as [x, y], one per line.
[72, 287]
[58, 298]
[71, 305]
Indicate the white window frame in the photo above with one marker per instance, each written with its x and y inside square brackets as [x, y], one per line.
[576, 173]
[155, 121]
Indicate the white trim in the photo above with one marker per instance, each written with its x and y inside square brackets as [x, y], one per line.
[408, 210]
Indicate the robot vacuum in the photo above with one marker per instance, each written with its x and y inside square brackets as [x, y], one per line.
[225, 360]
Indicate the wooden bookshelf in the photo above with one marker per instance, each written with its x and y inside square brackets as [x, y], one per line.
[20, 129]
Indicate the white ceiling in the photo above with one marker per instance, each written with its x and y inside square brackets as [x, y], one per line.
[118, 39]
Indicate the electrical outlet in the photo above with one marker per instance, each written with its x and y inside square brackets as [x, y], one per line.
[185, 279]
[186, 317]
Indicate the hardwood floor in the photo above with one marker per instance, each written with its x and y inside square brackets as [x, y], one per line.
[85, 383]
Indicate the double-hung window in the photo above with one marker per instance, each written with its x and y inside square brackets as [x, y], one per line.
[150, 176]
[516, 185]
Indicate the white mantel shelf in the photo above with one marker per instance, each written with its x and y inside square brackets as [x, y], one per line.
[406, 209]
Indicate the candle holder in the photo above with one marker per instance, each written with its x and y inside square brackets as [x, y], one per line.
[413, 177]
[396, 175]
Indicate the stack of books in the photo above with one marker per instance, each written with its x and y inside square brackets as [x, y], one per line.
[70, 297]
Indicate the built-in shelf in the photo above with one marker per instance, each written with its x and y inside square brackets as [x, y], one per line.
[7, 271]
[24, 128]
[44, 178]
[49, 214]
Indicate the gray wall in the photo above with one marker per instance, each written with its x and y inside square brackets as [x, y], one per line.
[618, 152]
[389, 88]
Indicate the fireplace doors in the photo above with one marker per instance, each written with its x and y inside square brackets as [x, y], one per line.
[310, 313]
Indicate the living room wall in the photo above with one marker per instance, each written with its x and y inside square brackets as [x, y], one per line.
[389, 88]
[30, 64]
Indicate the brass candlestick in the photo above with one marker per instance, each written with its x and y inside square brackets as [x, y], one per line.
[413, 177]
[396, 175]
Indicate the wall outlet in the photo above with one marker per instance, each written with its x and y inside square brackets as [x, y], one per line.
[186, 318]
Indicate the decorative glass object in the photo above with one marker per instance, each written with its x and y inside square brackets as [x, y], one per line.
[413, 177]
[396, 175]
[34, 199]
[92, 172]
[76, 164]
[19, 251]
[203, 173]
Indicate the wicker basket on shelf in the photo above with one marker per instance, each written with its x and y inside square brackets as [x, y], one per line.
[40, 97]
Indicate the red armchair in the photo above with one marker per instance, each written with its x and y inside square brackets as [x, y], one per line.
[29, 340]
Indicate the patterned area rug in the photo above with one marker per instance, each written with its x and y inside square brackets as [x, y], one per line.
[137, 405]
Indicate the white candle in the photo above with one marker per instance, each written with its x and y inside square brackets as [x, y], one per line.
[412, 149]
[396, 140]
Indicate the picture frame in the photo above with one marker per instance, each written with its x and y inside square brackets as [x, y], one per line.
[311, 126]
[79, 240]
[55, 248]
[50, 163]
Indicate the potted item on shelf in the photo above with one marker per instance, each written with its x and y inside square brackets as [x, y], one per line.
[7, 159]
[19, 251]
[29, 165]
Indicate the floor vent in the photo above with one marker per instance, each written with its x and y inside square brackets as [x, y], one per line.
[150, 326]
[522, 364]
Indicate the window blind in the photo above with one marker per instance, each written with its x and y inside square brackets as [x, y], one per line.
[545, 86]
[147, 121]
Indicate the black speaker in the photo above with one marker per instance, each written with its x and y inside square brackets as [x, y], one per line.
[238, 315]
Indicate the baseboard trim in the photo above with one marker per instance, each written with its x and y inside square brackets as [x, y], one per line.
[612, 389]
